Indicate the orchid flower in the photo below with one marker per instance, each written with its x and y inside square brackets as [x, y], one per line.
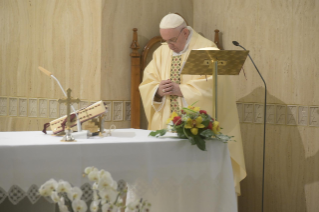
[44, 191]
[94, 175]
[109, 208]
[194, 124]
[55, 197]
[75, 193]
[95, 195]
[94, 206]
[132, 206]
[105, 183]
[108, 195]
[171, 117]
[63, 208]
[47, 188]
[79, 206]
[216, 127]
[95, 186]
[63, 186]
[87, 170]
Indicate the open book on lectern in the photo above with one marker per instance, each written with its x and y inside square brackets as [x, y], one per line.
[200, 61]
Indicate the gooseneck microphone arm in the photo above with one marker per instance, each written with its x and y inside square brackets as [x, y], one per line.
[264, 142]
[237, 44]
[51, 75]
[61, 87]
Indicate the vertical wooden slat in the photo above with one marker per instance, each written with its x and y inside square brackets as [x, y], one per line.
[135, 81]
[216, 39]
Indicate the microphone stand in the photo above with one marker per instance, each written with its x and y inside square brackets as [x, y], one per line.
[264, 141]
[78, 124]
[51, 75]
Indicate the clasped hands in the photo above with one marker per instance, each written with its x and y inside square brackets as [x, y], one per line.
[167, 87]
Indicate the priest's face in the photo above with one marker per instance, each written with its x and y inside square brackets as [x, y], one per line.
[175, 38]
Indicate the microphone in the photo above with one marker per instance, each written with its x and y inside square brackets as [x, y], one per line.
[51, 75]
[235, 43]
[263, 178]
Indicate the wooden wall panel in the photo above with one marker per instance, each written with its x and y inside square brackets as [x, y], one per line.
[253, 159]
[274, 56]
[71, 46]
[85, 44]
[281, 36]
[119, 18]
[62, 36]
[22, 124]
[290, 170]
[14, 28]
[305, 51]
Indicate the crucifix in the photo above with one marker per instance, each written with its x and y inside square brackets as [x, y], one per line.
[68, 101]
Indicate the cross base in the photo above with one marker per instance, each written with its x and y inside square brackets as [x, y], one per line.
[68, 136]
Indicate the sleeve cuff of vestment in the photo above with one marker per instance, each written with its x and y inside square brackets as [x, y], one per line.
[158, 105]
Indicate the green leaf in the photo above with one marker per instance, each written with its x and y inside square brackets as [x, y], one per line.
[180, 133]
[223, 137]
[192, 140]
[205, 123]
[158, 133]
[201, 144]
[179, 130]
[178, 126]
[207, 133]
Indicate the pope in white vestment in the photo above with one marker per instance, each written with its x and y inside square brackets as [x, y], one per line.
[158, 88]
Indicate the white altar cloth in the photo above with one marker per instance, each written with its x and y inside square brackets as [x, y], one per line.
[169, 172]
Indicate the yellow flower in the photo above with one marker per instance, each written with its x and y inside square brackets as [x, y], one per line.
[216, 127]
[174, 114]
[196, 109]
[194, 124]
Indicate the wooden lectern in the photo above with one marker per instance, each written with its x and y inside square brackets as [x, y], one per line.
[211, 61]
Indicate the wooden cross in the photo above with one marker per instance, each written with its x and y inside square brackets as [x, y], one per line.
[68, 101]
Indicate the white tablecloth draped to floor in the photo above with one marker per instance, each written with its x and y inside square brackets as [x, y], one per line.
[169, 172]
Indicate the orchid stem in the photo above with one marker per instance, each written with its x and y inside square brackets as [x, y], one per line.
[118, 195]
[194, 103]
[185, 132]
[189, 110]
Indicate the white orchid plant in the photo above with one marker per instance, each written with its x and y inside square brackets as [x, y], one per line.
[106, 194]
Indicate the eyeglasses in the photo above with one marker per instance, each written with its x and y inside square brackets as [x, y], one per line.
[174, 40]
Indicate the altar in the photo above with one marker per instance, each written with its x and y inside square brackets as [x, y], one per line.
[169, 172]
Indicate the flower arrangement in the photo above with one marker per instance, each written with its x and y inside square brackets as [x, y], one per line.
[195, 125]
[106, 194]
